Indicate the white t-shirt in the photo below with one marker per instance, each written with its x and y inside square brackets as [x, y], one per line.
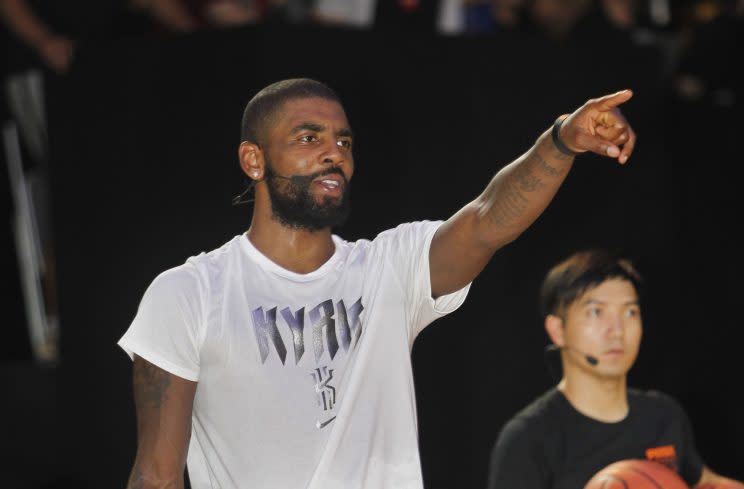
[304, 380]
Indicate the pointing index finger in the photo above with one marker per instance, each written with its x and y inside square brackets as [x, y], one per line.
[609, 102]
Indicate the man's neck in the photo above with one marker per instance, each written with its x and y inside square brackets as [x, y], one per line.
[296, 250]
[602, 399]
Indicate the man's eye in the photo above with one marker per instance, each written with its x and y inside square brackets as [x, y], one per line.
[594, 312]
[308, 139]
[344, 143]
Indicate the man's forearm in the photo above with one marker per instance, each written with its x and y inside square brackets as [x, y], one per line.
[518, 194]
[520, 191]
[23, 22]
[511, 201]
[138, 480]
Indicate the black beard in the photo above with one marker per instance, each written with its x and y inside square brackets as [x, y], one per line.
[293, 205]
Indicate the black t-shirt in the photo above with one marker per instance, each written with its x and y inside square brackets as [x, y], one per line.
[550, 445]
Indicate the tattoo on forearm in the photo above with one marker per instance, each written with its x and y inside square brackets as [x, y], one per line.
[150, 384]
[526, 180]
[546, 168]
[513, 199]
[510, 204]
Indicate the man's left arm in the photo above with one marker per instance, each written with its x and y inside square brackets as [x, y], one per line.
[519, 192]
[711, 480]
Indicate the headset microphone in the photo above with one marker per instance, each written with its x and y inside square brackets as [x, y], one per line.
[297, 180]
[590, 359]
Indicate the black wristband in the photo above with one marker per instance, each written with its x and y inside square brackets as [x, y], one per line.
[555, 133]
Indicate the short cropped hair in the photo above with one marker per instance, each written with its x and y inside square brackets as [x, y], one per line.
[261, 109]
[581, 272]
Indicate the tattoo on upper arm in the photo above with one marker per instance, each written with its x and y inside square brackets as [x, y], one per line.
[150, 384]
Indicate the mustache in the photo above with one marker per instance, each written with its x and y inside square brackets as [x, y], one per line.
[305, 180]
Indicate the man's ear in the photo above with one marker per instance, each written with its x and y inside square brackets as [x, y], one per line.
[554, 328]
[251, 160]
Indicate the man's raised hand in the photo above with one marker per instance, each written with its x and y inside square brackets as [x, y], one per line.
[599, 126]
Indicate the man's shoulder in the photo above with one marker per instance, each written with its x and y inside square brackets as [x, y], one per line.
[196, 269]
[221, 255]
[542, 411]
[653, 400]
[392, 237]
[651, 397]
[547, 402]
[408, 228]
[533, 426]
[407, 232]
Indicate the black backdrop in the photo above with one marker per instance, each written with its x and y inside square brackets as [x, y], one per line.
[144, 136]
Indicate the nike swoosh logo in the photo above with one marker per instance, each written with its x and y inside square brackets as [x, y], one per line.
[324, 423]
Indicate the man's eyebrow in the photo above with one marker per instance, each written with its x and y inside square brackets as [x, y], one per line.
[345, 133]
[307, 126]
[315, 127]
[592, 301]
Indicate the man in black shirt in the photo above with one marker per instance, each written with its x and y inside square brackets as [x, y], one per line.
[591, 419]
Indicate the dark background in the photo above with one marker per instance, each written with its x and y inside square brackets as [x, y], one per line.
[144, 135]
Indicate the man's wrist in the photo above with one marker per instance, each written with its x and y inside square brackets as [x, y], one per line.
[555, 134]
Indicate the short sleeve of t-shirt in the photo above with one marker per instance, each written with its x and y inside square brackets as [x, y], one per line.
[516, 459]
[407, 248]
[167, 327]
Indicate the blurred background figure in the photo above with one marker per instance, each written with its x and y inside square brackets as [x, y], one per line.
[621, 13]
[31, 28]
[710, 27]
[442, 16]
[41, 39]
[558, 18]
[483, 16]
[232, 13]
[348, 13]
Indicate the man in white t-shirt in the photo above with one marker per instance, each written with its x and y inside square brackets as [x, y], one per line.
[282, 358]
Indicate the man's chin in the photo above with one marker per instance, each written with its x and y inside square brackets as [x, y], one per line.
[329, 202]
[610, 373]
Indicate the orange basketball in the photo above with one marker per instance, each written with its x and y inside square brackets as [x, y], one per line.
[636, 474]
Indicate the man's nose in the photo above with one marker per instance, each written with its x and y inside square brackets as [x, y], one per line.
[333, 154]
[615, 326]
